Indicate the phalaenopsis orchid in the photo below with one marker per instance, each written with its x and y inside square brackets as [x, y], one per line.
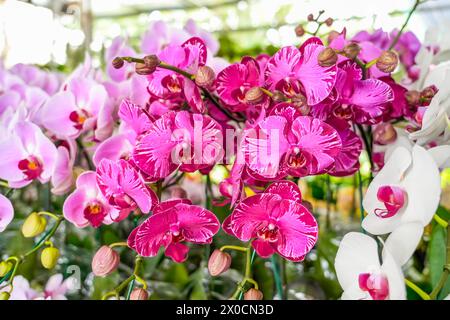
[174, 152]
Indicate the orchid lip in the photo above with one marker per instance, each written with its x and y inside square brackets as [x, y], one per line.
[394, 199]
[31, 167]
[377, 285]
[268, 232]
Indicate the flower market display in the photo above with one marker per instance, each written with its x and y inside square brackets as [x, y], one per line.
[170, 172]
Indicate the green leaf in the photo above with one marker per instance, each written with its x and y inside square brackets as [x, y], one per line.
[436, 257]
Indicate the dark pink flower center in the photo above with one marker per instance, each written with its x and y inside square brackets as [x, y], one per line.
[376, 285]
[31, 167]
[78, 118]
[172, 83]
[343, 111]
[393, 198]
[95, 213]
[296, 158]
[121, 201]
[268, 232]
[289, 86]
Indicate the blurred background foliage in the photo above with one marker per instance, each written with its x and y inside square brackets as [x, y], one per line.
[243, 28]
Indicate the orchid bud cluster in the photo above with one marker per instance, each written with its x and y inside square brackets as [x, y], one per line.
[129, 146]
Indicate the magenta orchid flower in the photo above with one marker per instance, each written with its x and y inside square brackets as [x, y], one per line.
[62, 176]
[80, 107]
[6, 212]
[27, 155]
[86, 205]
[188, 141]
[297, 71]
[363, 101]
[123, 187]
[275, 221]
[172, 223]
[234, 81]
[286, 143]
[165, 83]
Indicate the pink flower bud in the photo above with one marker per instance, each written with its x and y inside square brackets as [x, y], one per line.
[310, 17]
[327, 57]
[384, 134]
[178, 192]
[412, 97]
[352, 50]
[118, 62]
[219, 262]
[254, 95]
[329, 21]
[205, 77]
[253, 294]
[139, 294]
[299, 30]
[105, 261]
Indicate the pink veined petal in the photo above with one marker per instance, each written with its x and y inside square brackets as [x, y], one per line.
[73, 208]
[153, 234]
[169, 204]
[197, 53]
[152, 153]
[371, 93]
[62, 177]
[198, 225]
[134, 117]
[282, 65]
[178, 252]
[317, 81]
[320, 140]
[6, 212]
[263, 248]
[312, 40]
[193, 96]
[230, 80]
[12, 153]
[55, 114]
[114, 148]
[347, 161]
[250, 213]
[298, 230]
[265, 146]
[286, 190]
[226, 225]
[131, 241]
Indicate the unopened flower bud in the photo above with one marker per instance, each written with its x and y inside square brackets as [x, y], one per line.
[352, 50]
[327, 57]
[139, 294]
[4, 295]
[329, 22]
[428, 93]
[387, 62]
[384, 134]
[34, 225]
[205, 77]
[299, 31]
[254, 95]
[219, 262]
[105, 261]
[253, 294]
[178, 192]
[299, 101]
[412, 97]
[118, 62]
[49, 257]
[278, 96]
[5, 267]
[333, 34]
[310, 17]
[152, 61]
[142, 69]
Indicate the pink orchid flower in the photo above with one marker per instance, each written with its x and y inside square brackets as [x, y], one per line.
[80, 107]
[124, 187]
[165, 83]
[234, 81]
[275, 221]
[297, 71]
[188, 141]
[86, 205]
[286, 143]
[363, 101]
[6, 212]
[27, 155]
[172, 223]
[62, 176]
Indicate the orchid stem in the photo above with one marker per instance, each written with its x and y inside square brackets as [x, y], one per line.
[118, 244]
[440, 221]
[397, 37]
[417, 290]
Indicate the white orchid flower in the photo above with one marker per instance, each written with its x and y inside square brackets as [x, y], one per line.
[361, 274]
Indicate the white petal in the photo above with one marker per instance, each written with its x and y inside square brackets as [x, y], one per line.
[397, 289]
[357, 253]
[441, 154]
[423, 186]
[391, 173]
[403, 241]
[354, 293]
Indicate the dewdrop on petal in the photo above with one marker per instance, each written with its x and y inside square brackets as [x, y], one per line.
[34, 225]
[139, 294]
[105, 261]
[219, 262]
[49, 257]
